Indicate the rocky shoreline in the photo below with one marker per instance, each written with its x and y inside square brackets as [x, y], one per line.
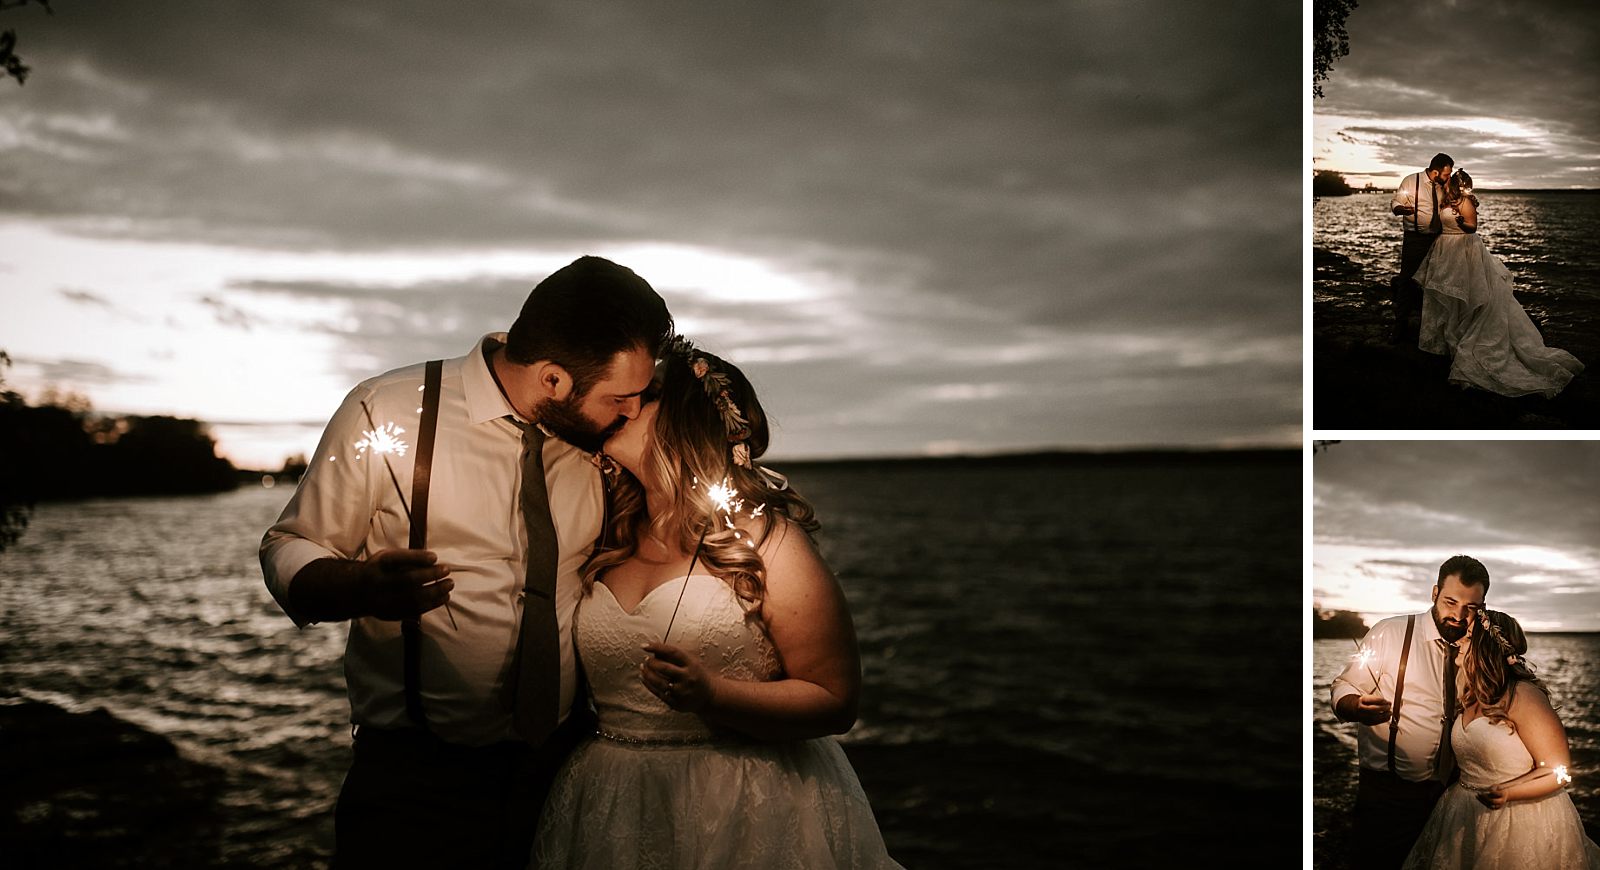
[90, 790]
[1362, 381]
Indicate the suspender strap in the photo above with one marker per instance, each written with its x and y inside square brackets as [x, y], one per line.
[1400, 688]
[411, 629]
[1416, 200]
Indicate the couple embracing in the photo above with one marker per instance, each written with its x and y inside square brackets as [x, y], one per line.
[1461, 293]
[1463, 760]
[587, 627]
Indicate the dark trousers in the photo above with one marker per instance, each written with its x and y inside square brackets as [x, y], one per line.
[413, 800]
[1414, 249]
[1390, 813]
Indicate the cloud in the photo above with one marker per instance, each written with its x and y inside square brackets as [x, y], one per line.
[1511, 90]
[1388, 513]
[74, 373]
[85, 297]
[1087, 213]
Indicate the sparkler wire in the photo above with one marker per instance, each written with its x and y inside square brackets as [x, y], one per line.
[692, 560]
[448, 611]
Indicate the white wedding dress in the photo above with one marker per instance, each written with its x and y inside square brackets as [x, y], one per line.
[1468, 311]
[660, 789]
[1462, 833]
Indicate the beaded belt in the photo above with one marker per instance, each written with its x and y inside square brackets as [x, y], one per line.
[661, 742]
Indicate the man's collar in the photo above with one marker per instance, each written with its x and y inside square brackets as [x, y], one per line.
[484, 400]
[1427, 631]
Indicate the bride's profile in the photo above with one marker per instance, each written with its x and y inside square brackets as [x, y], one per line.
[719, 652]
[1469, 312]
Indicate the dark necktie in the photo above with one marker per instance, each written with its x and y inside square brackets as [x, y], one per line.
[1446, 759]
[1434, 224]
[535, 680]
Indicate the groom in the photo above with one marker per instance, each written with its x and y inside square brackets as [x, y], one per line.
[1403, 744]
[1416, 201]
[461, 711]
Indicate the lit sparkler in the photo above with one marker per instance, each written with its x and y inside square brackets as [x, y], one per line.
[382, 441]
[725, 499]
[1562, 778]
[1364, 658]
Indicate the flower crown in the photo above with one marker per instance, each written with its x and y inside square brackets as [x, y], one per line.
[716, 385]
[1513, 658]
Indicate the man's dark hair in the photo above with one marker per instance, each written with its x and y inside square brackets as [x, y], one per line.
[1440, 161]
[1471, 571]
[583, 315]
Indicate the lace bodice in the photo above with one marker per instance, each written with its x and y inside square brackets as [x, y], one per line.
[710, 623]
[1449, 221]
[1488, 752]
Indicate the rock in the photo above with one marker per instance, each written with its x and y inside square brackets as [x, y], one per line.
[90, 790]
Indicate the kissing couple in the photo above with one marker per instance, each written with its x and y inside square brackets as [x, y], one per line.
[1464, 292]
[587, 627]
[1463, 760]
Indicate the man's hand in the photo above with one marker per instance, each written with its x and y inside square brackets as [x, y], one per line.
[399, 584]
[1366, 709]
[1405, 209]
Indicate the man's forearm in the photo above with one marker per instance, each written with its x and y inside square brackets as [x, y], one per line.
[329, 590]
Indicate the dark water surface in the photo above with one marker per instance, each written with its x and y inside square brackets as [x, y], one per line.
[1547, 240]
[1061, 660]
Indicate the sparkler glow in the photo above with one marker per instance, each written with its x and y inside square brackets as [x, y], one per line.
[382, 441]
[725, 500]
[1364, 658]
[1562, 778]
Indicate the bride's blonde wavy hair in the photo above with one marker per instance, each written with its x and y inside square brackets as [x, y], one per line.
[1494, 665]
[690, 449]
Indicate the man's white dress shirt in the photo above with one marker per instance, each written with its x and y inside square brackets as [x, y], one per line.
[1421, 704]
[346, 506]
[1415, 190]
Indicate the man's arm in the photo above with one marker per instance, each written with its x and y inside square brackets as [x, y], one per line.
[1356, 698]
[1403, 202]
[313, 558]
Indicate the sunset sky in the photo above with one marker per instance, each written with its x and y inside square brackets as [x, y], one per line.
[923, 228]
[1510, 90]
[1387, 513]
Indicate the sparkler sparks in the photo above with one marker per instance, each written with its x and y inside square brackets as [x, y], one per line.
[1562, 778]
[1364, 658]
[725, 497]
[725, 500]
[382, 440]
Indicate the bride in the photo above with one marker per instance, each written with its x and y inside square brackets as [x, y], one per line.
[719, 653]
[1468, 310]
[1509, 809]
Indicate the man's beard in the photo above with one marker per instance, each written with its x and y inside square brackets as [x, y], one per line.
[565, 420]
[1447, 631]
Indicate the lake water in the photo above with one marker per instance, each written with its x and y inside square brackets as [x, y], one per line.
[1060, 660]
[1568, 664]
[1547, 240]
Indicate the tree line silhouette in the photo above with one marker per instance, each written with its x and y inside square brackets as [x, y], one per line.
[59, 449]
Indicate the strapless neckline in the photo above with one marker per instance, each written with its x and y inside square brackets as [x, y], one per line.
[638, 609]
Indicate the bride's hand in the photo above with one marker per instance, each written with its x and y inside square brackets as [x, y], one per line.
[1492, 797]
[677, 677]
